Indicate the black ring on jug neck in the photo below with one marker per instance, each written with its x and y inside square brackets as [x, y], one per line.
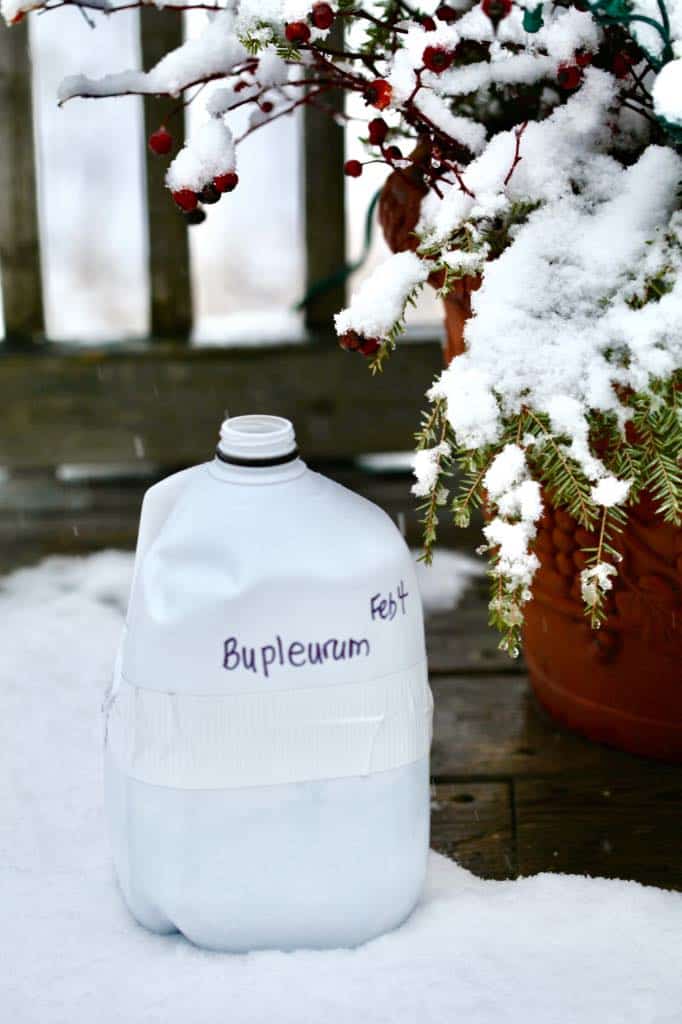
[277, 460]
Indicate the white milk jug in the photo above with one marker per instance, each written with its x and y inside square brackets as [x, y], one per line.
[269, 723]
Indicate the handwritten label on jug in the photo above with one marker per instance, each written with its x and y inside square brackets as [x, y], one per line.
[263, 660]
[291, 655]
[386, 606]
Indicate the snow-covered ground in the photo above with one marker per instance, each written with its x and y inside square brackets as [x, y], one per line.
[546, 950]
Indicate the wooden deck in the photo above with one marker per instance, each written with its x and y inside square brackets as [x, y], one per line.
[513, 794]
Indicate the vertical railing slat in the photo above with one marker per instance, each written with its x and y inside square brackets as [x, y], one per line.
[22, 291]
[325, 217]
[169, 271]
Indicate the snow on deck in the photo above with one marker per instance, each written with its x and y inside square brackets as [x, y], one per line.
[551, 949]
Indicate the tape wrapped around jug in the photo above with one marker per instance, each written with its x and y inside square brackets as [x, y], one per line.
[219, 741]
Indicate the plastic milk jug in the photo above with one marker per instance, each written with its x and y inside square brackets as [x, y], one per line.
[269, 723]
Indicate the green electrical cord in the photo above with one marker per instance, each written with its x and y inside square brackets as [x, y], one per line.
[344, 272]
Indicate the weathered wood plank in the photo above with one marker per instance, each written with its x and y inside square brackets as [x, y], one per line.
[164, 403]
[612, 826]
[22, 294]
[325, 218]
[461, 641]
[170, 299]
[490, 726]
[472, 823]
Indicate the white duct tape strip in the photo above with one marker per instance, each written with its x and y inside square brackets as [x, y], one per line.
[218, 741]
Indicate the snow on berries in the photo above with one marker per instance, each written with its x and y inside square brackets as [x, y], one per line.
[207, 154]
[381, 298]
[203, 170]
[161, 141]
[378, 94]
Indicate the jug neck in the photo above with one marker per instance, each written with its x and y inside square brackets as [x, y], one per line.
[257, 475]
[257, 449]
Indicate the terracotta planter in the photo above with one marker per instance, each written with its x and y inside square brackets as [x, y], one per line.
[621, 684]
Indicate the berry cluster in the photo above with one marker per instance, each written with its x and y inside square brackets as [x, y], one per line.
[447, 156]
[298, 32]
[186, 199]
[377, 131]
[189, 201]
[351, 341]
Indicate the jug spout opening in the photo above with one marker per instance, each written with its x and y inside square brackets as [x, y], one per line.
[257, 440]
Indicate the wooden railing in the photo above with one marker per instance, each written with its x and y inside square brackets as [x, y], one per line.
[165, 398]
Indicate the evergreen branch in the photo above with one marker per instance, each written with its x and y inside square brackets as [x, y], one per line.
[563, 477]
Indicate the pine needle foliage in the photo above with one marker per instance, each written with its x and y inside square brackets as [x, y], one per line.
[648, 454]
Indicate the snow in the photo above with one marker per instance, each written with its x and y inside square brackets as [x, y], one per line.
[506, 470]
[667, 92]
[470, 133]
[427, 467]
[210, 55]
[595, 581]
[548, 948]
[610, 491]
[554, 328]
[208, 153]
[380, 300]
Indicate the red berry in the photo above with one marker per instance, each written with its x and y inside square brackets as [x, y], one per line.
[266, 106]
[322, 16]
[186, 199]
[378, 94]
[351, 341]
[18, 18]
[226, 182]
[378, 130]
[446, 14]
[621, 65]
[583, 58]
[161, 141]
[496, 9]
[427, 23]
[197, 216]
[209, 194]
[569, 76]
[297, 32]
[241, 84]
[353, 168]
[437, 58]
[370, 346]
[393, 153]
